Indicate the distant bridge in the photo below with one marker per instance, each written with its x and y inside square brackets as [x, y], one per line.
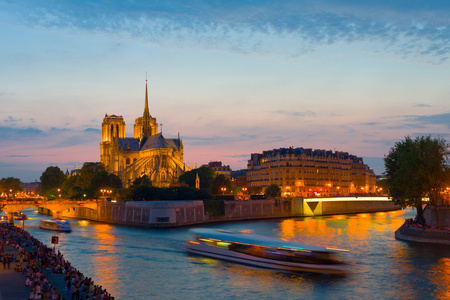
[53, 208]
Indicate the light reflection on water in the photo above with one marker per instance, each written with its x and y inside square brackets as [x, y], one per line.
[140, 263]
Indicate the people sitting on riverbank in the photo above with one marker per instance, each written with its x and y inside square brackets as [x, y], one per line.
[37, 255]
[414, 224]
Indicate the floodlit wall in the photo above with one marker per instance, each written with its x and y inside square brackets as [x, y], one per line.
[183, 213]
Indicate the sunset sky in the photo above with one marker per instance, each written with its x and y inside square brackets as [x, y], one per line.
[232, 77]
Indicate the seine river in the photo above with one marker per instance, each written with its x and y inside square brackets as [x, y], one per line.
[142, 263]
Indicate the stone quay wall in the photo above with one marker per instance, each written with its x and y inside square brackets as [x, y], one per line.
[429, 214]
[185, 213]
[332, 208]
[420, 235]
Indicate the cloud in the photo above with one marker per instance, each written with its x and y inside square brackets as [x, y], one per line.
[409, 29]
[12, 133]
[387, 143]
[247, 155]
[432, 134]
[371, 123]
[93, 130]
[307, 113]
[422, 105]
[12, 120]
[438, 119]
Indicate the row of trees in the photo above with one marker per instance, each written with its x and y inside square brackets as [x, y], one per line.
[86, 185]
[209, 185]
[93, 178]
[10, 185]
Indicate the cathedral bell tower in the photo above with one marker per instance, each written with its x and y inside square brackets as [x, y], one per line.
[113, 129]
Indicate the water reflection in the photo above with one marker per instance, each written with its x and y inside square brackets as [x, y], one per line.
[439, 275]
[137, 263]
[106, 257]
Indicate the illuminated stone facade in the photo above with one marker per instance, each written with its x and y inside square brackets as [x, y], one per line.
[305, 172]
[147, 153]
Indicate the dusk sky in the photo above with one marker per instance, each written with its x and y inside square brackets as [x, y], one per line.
[232, 77]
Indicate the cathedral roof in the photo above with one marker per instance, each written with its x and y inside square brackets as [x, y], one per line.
[129, 144]
[158, 141]
[174, 143]
[155, 141]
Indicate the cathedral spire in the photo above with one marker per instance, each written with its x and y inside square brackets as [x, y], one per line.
[146, 130]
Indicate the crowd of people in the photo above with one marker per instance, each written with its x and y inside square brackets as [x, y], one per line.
[415, 224]
[33, 257]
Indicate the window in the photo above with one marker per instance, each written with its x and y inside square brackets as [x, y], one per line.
[162, 220]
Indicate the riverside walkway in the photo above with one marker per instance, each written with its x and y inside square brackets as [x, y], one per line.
[39, 260]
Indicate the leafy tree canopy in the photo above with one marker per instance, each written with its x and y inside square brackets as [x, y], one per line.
[205, 174]
[52, 179]
[273, 191]
[143, 180]
[10, 183]
[417, 169]
[93, 177]
[221, 182]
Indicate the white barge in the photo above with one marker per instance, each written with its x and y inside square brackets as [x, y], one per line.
[56, 225]
[266, 252]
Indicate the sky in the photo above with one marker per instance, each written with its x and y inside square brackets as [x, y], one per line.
[232, 77]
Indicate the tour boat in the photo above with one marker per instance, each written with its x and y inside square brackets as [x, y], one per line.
[20, 216]
[266, 252]
[57, 225]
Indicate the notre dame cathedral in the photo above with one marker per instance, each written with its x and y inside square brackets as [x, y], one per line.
[147, 153]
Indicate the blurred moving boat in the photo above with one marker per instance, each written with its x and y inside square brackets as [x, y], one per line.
[266, 252]
[57, 225]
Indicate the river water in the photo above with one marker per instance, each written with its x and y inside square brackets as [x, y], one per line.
[142, 263]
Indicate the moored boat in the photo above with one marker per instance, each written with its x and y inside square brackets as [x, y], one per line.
[57, 225]
[266, 252]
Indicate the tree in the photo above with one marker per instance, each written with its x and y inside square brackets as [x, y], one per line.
[93, 177]
[219, 183]
[51, 180]
[273, 191]
[417, 169]
[205, 174]
[71, 189]
[10, 185]
[143, 180]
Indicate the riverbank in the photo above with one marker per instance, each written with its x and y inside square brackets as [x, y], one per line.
[423, 235]
[186, 213]
[35, 269]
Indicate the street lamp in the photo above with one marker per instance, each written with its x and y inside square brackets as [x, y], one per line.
[223, 189]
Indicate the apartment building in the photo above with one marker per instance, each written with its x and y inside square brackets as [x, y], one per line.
[304, 172]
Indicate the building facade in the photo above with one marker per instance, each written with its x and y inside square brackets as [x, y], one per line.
[147, 153]
[307, 173]
[219, 169]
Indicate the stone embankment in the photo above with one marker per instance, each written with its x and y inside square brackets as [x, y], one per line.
[429, 233]
[31, 270]
[423, 235]
[185, 213]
